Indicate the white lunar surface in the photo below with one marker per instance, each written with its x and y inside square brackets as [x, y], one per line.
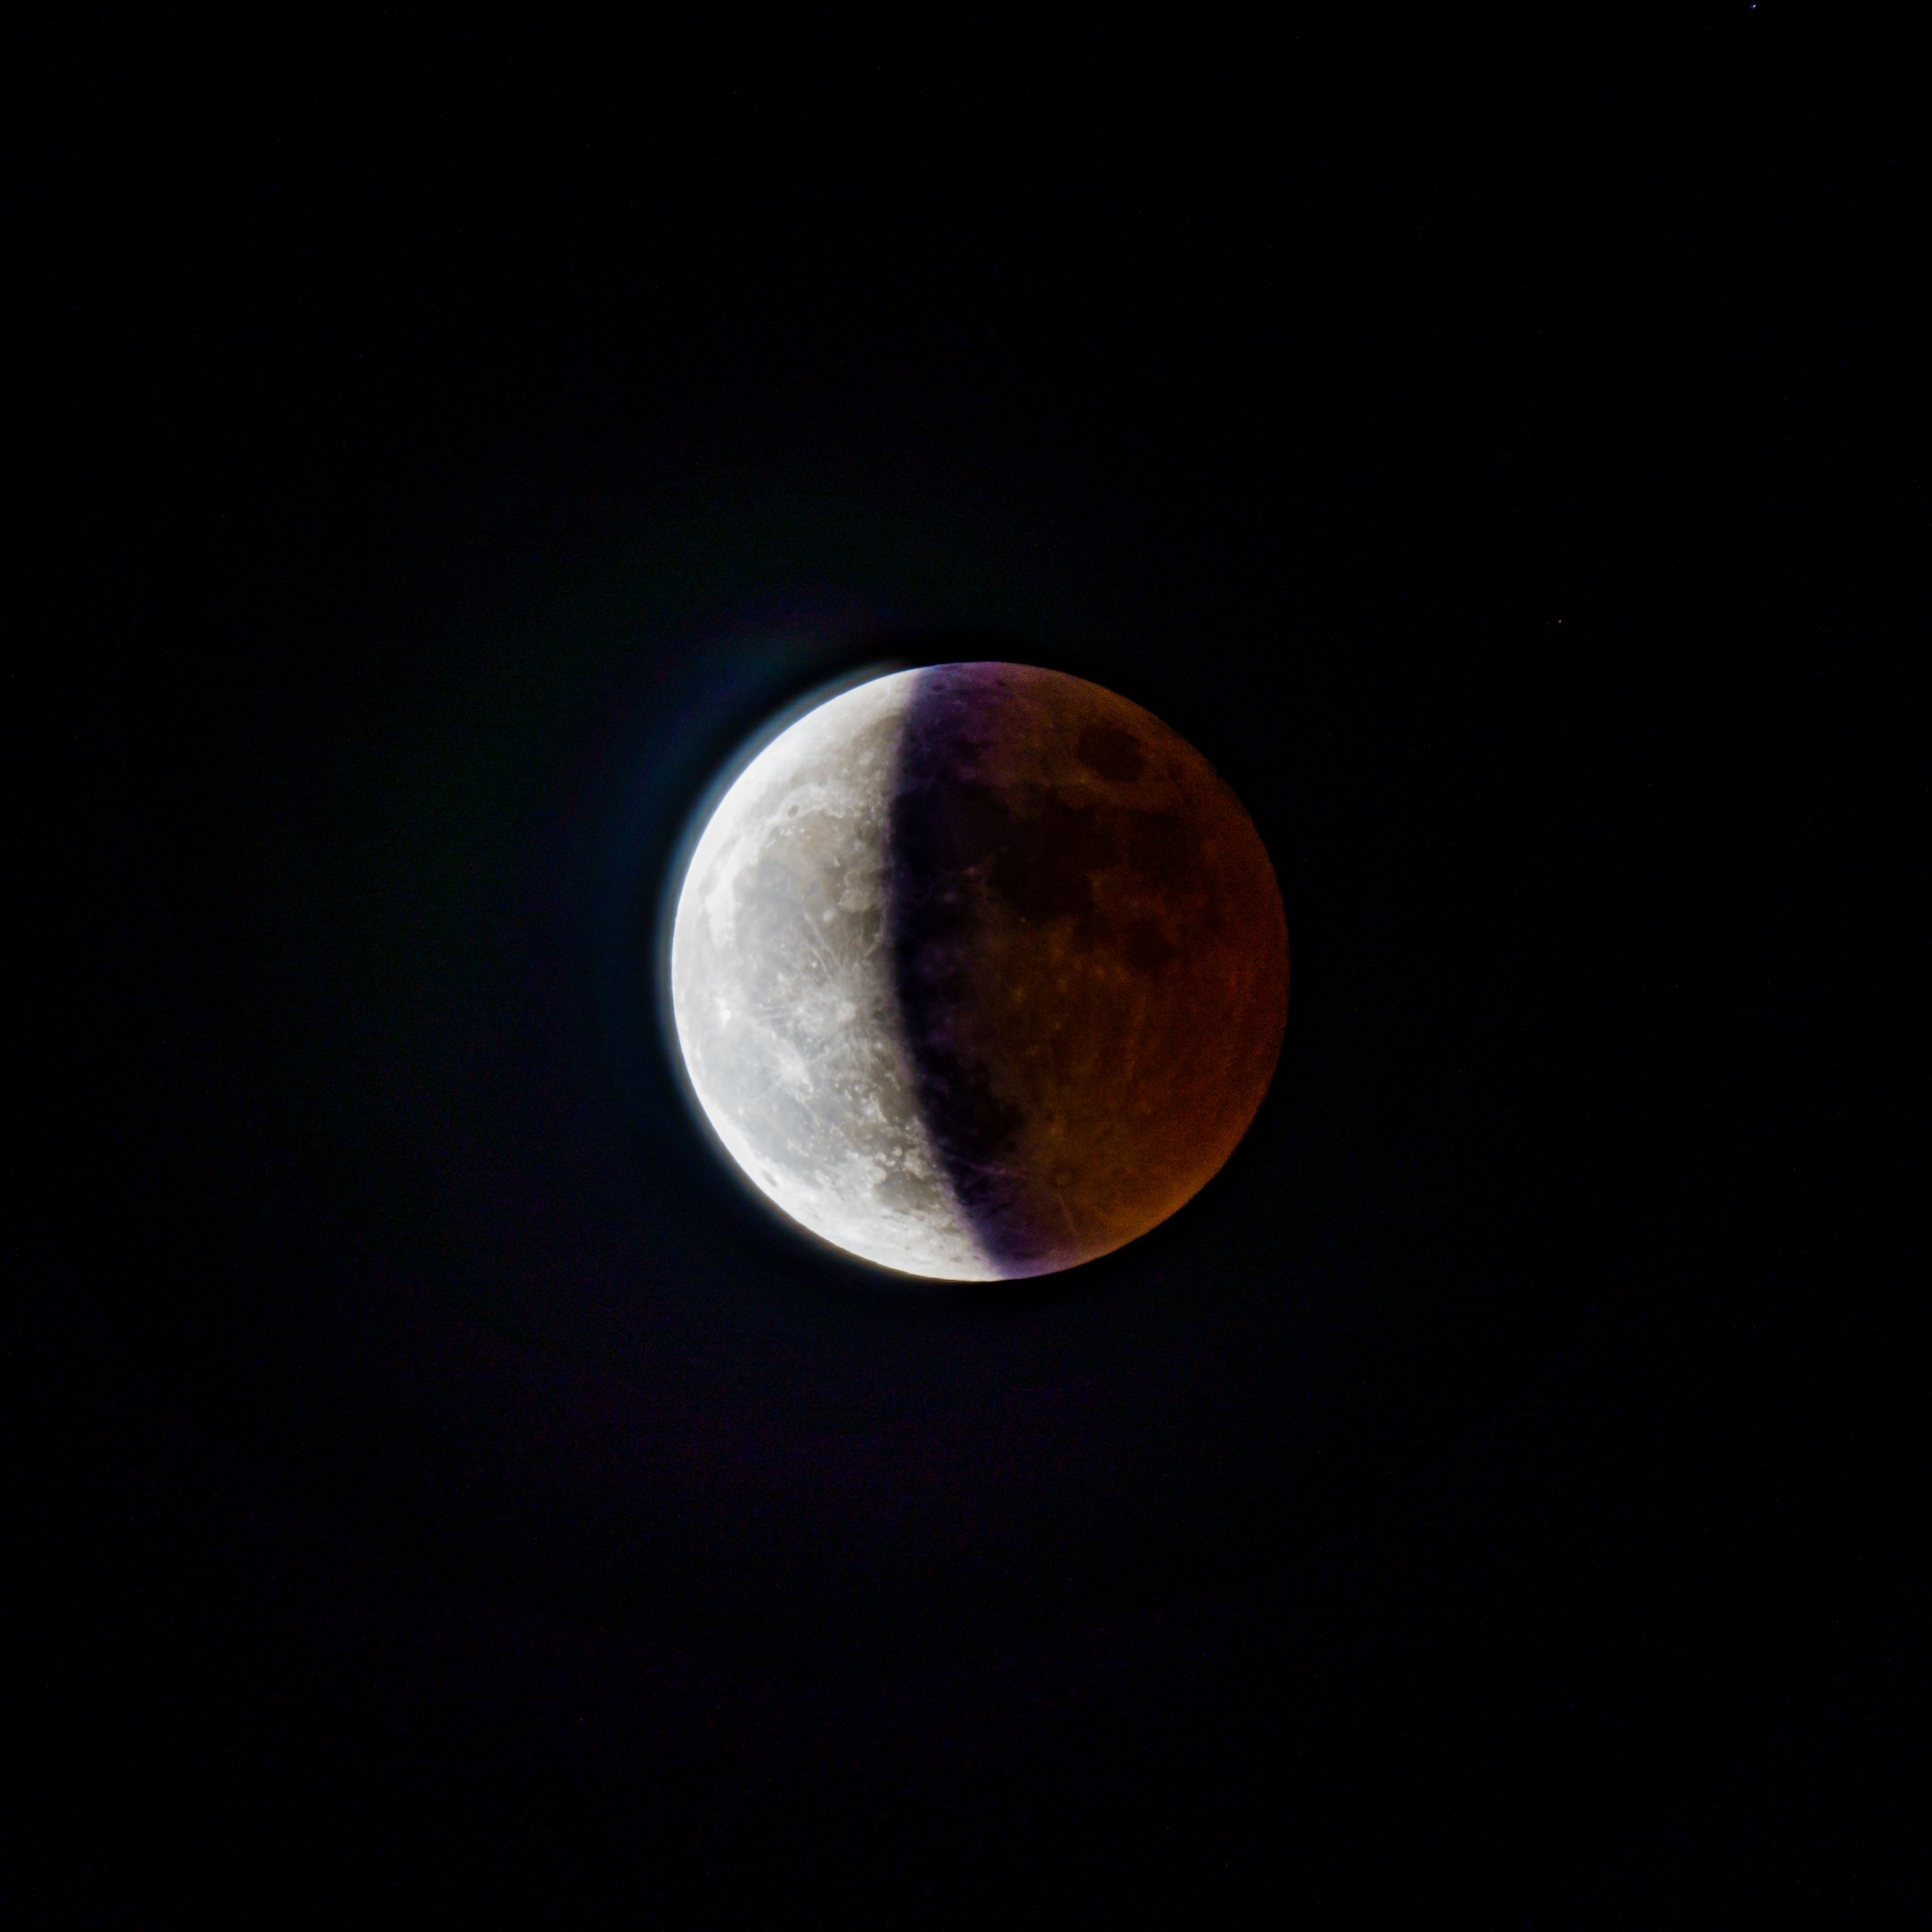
[782, 991]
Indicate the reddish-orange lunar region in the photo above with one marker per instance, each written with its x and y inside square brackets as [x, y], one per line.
[1091, 956]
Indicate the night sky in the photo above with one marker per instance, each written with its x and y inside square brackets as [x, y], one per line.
[1498, 446]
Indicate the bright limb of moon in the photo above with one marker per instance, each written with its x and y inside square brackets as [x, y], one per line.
[782, 993]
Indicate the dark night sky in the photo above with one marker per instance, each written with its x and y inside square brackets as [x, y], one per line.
[1492, 1498]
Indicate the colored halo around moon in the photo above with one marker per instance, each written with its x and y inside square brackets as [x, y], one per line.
[978, 971]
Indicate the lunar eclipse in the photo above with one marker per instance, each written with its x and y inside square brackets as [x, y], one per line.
[980, 971]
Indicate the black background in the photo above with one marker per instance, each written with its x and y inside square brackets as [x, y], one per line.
[1492, 1498]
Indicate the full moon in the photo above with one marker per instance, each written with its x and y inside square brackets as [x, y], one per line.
[978, 971]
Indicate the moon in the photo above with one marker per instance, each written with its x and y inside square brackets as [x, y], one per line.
[978, 971]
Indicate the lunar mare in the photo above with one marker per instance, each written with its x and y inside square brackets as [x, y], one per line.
[980, 971]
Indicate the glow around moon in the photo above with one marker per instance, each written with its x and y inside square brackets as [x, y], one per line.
[978, 971]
